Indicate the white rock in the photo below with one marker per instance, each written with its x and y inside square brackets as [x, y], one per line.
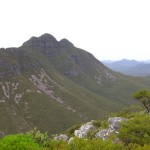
[114, 123]
[114, 126]
[104, 133]
[17, 98]
[61, 137]
[70, 140]
[84, 129]
[28, 91]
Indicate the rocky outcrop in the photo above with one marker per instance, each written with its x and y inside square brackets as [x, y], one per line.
[114, 126]
[17, 98]
[41, 84]
[10, 92]
[104, 133]
[114, 123]
[82, 132]
[61, 137]
[84, 129]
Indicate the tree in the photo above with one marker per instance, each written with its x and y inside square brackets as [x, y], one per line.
[144, 97]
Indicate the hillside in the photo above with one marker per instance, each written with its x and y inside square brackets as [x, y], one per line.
[130, 67]
[52, 85]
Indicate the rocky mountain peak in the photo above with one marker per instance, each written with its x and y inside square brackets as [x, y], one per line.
[45, 41]
[47, 38]
[65, 43]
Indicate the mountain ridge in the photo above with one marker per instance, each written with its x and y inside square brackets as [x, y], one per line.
[129, 67]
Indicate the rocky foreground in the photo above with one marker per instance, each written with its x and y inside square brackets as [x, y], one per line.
[92, 127]
[128, 132]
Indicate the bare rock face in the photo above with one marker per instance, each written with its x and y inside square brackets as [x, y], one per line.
[104, 133]
[84, 129]
[114, 126]
[61, 137]
[114, 123]
[82, 132]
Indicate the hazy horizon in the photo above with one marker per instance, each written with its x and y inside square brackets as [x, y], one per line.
[125, 59]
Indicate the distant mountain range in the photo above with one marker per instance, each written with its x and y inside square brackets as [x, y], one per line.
[129, 67]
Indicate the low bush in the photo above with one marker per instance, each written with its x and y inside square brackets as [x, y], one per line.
[18, 142]
[136, 130]
[41, 138]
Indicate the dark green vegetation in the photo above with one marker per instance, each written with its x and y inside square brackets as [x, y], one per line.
[134, 134]
[52, 85]
[144, 97]
[136, 130]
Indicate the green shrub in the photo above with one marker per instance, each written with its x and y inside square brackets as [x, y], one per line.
[97, 123]
[145, 147]
[18, 142]
[104, 124]
[94, 144]
[91, 134]
[85, 144]
[41, 138]
[136, 130]
[57, 145]
[71, 130]
[128, 112]
[144, 97]
[133, 146]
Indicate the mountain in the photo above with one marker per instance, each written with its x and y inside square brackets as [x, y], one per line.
[130, 67]
[146, 61]
[140, 70]
[52, 85]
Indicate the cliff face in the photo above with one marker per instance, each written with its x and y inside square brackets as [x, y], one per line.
[52, 85]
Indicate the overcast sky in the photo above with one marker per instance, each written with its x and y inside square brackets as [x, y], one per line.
[109, 29]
